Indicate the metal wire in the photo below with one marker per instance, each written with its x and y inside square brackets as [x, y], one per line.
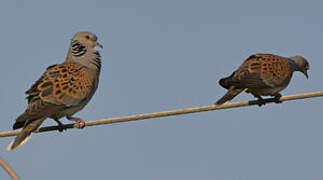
[171, 113]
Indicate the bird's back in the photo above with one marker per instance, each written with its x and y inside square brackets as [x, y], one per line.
[260, 71]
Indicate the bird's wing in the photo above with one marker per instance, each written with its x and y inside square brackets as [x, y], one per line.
[61, 86]
[260, 71]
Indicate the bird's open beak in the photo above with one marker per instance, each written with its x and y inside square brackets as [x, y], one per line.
[99, 45]
[305, 73]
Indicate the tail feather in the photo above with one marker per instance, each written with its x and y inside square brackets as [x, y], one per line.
[19, 141]
[25, 134]
[232, 92]
[18, 125]
[23, 118]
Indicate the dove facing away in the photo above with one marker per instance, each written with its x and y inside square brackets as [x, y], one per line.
[262, 75]
[63, 89]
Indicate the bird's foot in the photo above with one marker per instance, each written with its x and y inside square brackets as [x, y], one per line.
[61, 127]
[277, 99]
[79, 123]
[261, 101]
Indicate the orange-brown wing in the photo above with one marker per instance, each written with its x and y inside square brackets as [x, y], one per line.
[275, 70]
[248, 75]
[64, 84]
[259, 71]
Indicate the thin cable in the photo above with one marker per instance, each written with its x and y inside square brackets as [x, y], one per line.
[8, 169]
[171, 113]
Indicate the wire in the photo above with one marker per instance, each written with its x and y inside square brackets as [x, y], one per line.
[171, 113]
[8, 169]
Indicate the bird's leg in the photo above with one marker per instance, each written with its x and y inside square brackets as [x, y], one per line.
[61, 127]
[261, 100]
[277, 98]
[80, 123]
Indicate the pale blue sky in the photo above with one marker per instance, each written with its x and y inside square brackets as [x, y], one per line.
[162, 55]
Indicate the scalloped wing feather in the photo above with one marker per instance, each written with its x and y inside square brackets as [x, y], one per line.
[64, 84]
[260, 71]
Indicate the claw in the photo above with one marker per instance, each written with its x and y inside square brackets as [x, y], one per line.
[277, 99]
[79, 123]
[61, 128]
[261, 101]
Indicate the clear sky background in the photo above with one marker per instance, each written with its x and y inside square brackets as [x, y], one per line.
[163, 55]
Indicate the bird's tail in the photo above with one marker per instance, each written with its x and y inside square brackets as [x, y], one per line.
[232, 92]
[25, 134]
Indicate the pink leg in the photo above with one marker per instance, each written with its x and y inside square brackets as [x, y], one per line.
[80, 123]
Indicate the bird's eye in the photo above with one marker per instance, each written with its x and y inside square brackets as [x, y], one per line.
[87, 37]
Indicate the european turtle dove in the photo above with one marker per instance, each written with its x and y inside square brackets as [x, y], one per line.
[63, 89]
[262, 75]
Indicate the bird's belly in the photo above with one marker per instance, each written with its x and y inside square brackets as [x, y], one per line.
[67, 112]
[265, 91]
[72, 110]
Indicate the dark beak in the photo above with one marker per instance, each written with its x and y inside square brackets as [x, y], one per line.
[305, 73]
[99, 45]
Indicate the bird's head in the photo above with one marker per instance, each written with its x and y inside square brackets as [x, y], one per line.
[87, 39]
[82, 50]
[302, 64]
